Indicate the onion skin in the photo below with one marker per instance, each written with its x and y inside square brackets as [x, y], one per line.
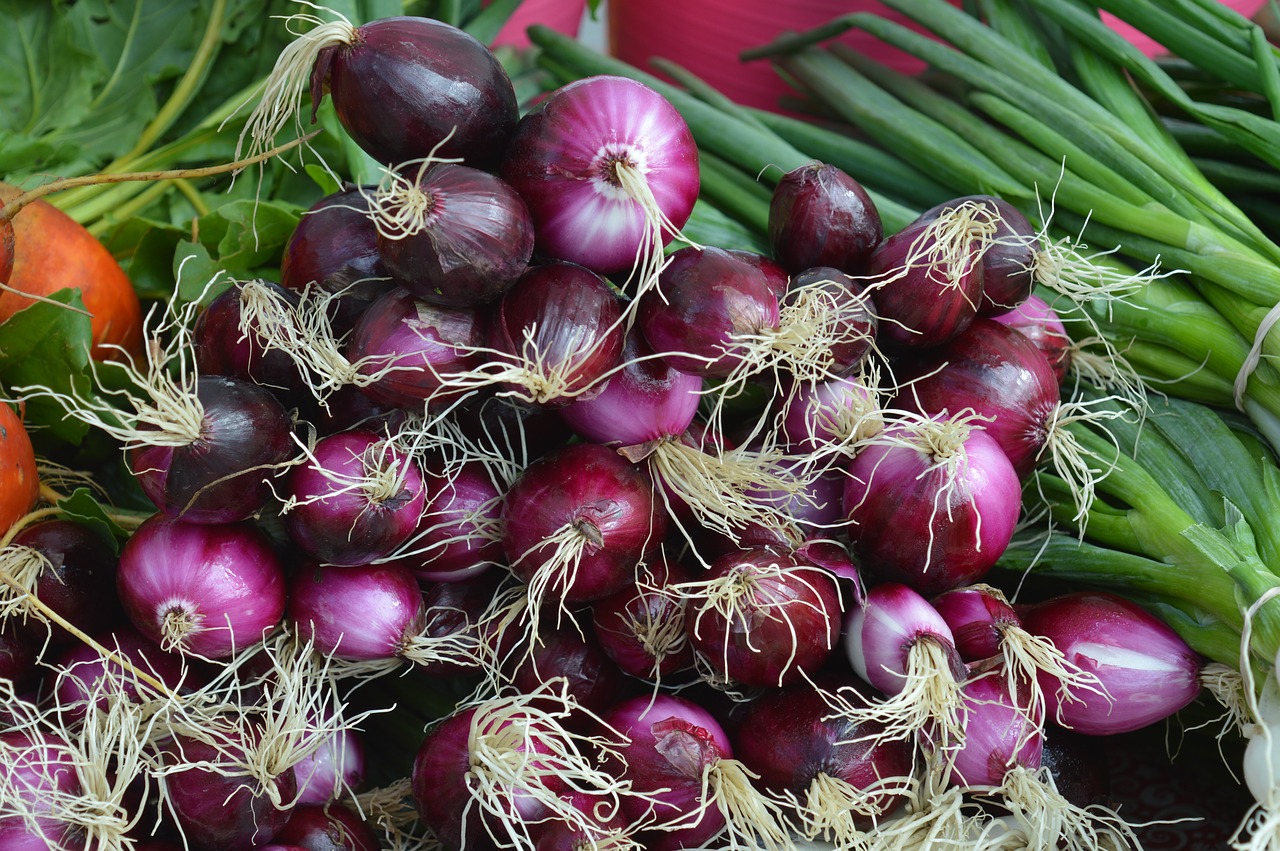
[559, 161]
[331, 827]
[425, 342]
[356, 613]
[593, 488]
[335, 247]
[223, 476]
[222, 349]
[80, 580]
[879, 635]
[222, 813]
[335, 525]
[80, 669]
[845, 298]
[318, 778]
[1007, 264]
[931, 526]
[225, 578]
[999, 373]
[1001, 732]
[1040, 324]
[790, 736]
[977, 619]
[454, 547]
[591, 676]
[784, 626]
[41, 765]
[1148, 671]
[567, 318]
[407, 83]
[19, 650]
[617, 617]
[820, 216]
[475, 240]
[453, 609]
[704, 298]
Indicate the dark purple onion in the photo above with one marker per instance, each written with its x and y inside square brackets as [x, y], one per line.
[564, 157]
[408, 87]
[1079, 767]
[1039, 323]
[641, 627]
[562, 324]
[222, 476]
[785, 620]
[472, 241]
[820, 216]
[356, 613]
[571, 651]
[839, 311]
[334, 767]
[1149, 673]
[591, 491]
[425, 343]
[349, 407]
[705, 298]
[457, 537]
[647, 399]
[335, 247]
[457, 612]
[39, 768]
[932, 512]
[1007, 264]
[337, 524]
[223, 349]
[833, 413]
[206, 590]
[332, 826]
[19, 649]
[218, 813]
[999, 373]
[80, 579]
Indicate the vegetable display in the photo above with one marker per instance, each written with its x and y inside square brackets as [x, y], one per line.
[536, 453]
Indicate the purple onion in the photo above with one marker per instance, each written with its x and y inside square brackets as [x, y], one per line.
[762, 619]
[204, 590]
[705, 299]
[221, 348]
[820, 216]
[932, 506]
[833, 413]
[78, 581]
[570, 651]
[219, 813]
[456, 613]
[567, 158]
[641, 627]
[1040, 324]
[407, 87]
[457, 537]
[453, 236]
[80, 670]
[38, 769]
[356, 500]
[416, 348]
[330, 826]
[578, 521]
[1001, 732]
[19, 650]
[1009, 259]
[828, 307]
[356, 613]
[1148, 672]
[222, 476]
[334, 767]
[979, 617]
[560, 328]
[335, 247]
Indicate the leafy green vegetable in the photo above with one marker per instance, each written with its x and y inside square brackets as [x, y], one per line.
[47, 344]
[81, 505]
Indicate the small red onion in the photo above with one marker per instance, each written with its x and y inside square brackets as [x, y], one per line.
[1001, 732]
[1008, 263]
[204, 590]
[222, 348]
[570, 651]
[641, 627]
[356, 613]
[978, 617]
[78, 579]
[820, 216]
[330, 826]
[336, 766]
[1039, 323]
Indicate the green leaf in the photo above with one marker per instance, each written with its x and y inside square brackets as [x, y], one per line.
[82, 506]
[248, 236]
[47, 74]
[47, 344]
[326, 181]
[198, 277]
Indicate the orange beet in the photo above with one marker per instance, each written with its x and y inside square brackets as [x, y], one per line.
[19, 484]
[52, 252]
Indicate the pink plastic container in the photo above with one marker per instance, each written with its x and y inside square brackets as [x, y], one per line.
[706, 36]
[562, 15]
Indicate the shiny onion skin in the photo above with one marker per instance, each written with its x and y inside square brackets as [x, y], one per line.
[469, 246]
[997, 372]
[1148, 671]
[455, 538]
[977, 619]
[337, 765]
[704, 298]
[457, 611]
[407, 84]
[930, 522]
[785, 619]
[1040, 324]
[335, 247]
[222, 349]
[641, 627]
[79, 671]
[208, 590]
[1008, 264]
[1001, 733]
[562, 160]
[593, 493]
[820, 216]
[356, 613]
[855, 330]
[562, 325]
[79, 580]
[425, 343]
[223, 476]
[333, 826]
[335, 523]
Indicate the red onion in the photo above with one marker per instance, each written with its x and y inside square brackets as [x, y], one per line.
[929, 277]
[452, 235]
[820, 216]
[839, 413]
[577, 522]
[359, 497]
[222, 474]
[457, 623]
[572, 653]
[336, 766]
[1008, 263]
[329, 827]
[458, 536]
[81, 673]
[609, 171]
[1039, 323]
[38, 779]
[1147, 671]
[762, 619]
[224, 347]
[335, 247]
[356, 613]
[73, 574]
[932, 505]
[19, 650]
[204, 590]
[641, 627]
